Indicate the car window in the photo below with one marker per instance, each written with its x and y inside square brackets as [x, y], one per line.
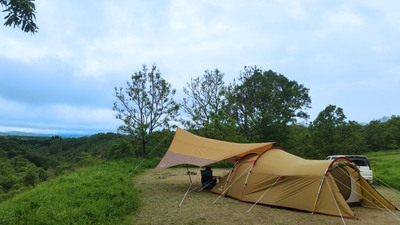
[360, 162]
[330, 158]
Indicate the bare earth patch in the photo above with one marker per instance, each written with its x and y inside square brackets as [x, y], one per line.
[161, 192]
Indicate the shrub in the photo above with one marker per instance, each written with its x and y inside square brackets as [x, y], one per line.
[121, 150]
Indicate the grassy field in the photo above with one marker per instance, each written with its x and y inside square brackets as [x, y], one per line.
[386, 167]
[99, 194]
[161, 193]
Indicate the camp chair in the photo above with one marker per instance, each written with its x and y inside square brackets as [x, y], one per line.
[207, 179]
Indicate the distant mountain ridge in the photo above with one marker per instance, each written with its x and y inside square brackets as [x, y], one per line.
[30, 134]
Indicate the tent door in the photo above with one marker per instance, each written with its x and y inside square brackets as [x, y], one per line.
[346, 184]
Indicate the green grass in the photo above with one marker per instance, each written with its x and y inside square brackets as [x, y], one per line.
[99, 194]
[386, 167]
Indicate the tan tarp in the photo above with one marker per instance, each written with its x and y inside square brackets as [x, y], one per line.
[187, 148]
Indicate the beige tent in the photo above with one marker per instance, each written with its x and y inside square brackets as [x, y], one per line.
[267, 175]
[278, 178]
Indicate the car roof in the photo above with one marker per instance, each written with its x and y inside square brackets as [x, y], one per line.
[349, 156]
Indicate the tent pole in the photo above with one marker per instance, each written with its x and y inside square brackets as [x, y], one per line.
[229, 175]
[229, 186]
[319, 190]
[245, 182]
[334, 200]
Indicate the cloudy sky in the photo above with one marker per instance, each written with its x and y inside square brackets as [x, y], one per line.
[62, 79]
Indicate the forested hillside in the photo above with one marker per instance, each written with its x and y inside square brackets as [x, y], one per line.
[27, 161]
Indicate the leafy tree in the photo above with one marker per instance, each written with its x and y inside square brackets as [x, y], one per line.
[375, 135]
[35, 158]
[332, 134]
[7, 181]
[12, 147]
[299, 141]
[244, 104]
[383, 135]
[205, 104]
[30, 175]
[352, 138]
[21, 13]
[264, 103]
[146, 104]
[394, 129]
[331, 116]
[3, 154]
[121, 150]
[325, 131]
[7, 175]
[63, 168]
[159, 142]
[88, 160]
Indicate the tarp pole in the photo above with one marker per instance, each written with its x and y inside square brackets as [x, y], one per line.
[190, 186]
[188, 173]
[319, 190]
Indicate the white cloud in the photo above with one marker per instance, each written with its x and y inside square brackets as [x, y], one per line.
[345, 16]
[294, 8]
[56, 117]
[85, 115]
[29, 50]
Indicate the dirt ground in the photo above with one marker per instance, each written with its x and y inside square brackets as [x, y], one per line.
[162, 192]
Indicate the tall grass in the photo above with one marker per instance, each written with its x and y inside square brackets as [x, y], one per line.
[99, 194]
[386, 167]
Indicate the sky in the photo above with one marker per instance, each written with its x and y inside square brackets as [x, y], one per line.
[62, 79]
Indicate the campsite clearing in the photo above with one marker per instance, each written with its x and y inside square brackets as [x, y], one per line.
[161, 192]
